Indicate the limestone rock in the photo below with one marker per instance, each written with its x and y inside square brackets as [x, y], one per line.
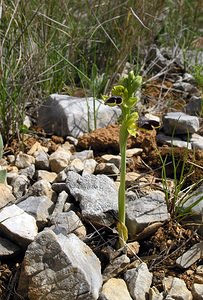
[115, 289]
[6, 195]
[95, 194]
[42, 161]
[176, 288]
[190, 256]
[89, 166]
[20, 185]
[180, 122]
[83, 155]
[8, 248]
[173, 141]
[68, 222]
[38, 207]
[197, 291]
[66, 115]
[24, 160]
[17, 225]
[46, 175]
[142, 211]
[59, 160]
[107, 169]
[59, 267]
[115, 267]
[42, 188]
[138, 281]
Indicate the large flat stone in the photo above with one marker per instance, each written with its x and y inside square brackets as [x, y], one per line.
[66, 115]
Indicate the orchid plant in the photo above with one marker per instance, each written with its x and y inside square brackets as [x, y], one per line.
[124, 95]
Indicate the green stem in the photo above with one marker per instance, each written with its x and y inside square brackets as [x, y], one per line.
[121, 193]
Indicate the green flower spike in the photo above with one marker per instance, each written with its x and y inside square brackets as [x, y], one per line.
[124, 96]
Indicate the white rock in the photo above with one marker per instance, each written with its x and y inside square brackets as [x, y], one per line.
[138, 281]
[95, 194]
[24, 160]
[42, 188]
[196, 141]
[154, 294]
[66, 115]
[20, 185]
[114, 159]
[115, 289]
[46, 175]
[75, 165]
[89, 166]
[197, 291]
[83, 155]
[190, 256]
[7, 248]
[59, 267]
[38, 207]
[176, 288]
[59, 160]
[18, 226]
[173, 141]
[142, 211]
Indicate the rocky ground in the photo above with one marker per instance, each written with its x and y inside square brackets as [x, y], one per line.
[58, 219]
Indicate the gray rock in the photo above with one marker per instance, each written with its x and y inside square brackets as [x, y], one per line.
[59, 187]
[197, 291]
[42, 161]
[176, 288]
[7, 248]
[172, 141]
[89, 166]
[114, 159]
[83, 155]
[190, 256]
[59, 205]
[65, 115]
[157, 60]
[29, 171]
[61, 176]
[194, 106]
[107, 169]
[180, 123]
[59, 267]
[196, 200]
[148, 209]
[24, 160]
[20, 185]
[95, 194]
[116, 266]
[115, 289]
[59, 160]
[6, 195]
[42, 188]
[186, 87]
[17, 225]
[38, 207]
[67, 222]
[138, 281]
